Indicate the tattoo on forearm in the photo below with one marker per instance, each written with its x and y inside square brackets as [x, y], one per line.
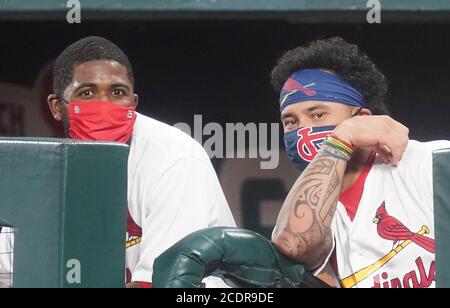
[309, 209]
[333, 186]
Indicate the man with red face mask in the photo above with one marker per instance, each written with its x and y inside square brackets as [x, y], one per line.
[172, 187]
[362, 207]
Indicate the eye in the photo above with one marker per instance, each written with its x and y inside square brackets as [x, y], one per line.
[289, 123]
[86, 93]
[119, 92]
[318, 115]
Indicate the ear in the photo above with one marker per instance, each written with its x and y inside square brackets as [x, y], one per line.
[364, 112]
[136, 99]
[56, 107]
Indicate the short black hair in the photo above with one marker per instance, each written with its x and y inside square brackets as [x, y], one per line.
[345, 60]
[87, 49]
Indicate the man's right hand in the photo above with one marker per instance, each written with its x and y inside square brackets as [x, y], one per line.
[382, 134]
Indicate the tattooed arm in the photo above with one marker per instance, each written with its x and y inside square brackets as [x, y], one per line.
[303, 228]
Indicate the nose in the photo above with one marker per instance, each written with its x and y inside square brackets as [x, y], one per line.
[103, 97]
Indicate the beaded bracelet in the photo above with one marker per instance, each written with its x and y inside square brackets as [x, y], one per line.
[341, 141]
[332, 152]
[337, 148]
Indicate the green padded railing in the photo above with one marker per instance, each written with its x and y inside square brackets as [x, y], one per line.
[441, 190]
[241, 257]
[67, 203]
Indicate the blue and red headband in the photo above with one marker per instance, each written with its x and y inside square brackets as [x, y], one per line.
[314, 84]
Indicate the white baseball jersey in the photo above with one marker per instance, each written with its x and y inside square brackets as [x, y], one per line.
[384, 224]
[6, 257]
[173, 191]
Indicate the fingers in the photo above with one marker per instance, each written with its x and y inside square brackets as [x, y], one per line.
[382, 133]
[394, 142]
[385, 153]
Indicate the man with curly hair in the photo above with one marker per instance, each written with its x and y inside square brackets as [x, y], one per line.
[362, 207]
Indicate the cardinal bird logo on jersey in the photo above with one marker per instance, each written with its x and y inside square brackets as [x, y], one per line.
[134, 232]
[390, 228]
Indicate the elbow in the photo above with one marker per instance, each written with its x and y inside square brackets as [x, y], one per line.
[285, 244]
[311, 254]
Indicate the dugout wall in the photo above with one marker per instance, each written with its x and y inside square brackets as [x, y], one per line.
[66, 203]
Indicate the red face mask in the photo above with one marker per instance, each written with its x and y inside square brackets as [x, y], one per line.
[101, 121]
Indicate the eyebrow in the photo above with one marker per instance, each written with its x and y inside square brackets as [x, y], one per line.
[115, 85]
[319, 106]
[286, 115]
[308, 110]
[85, 85]
[93, 85]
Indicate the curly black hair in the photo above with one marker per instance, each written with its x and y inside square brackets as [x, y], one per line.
[85, 50]
[345, 60]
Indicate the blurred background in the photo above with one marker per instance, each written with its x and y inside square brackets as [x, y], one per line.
[213, 58]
